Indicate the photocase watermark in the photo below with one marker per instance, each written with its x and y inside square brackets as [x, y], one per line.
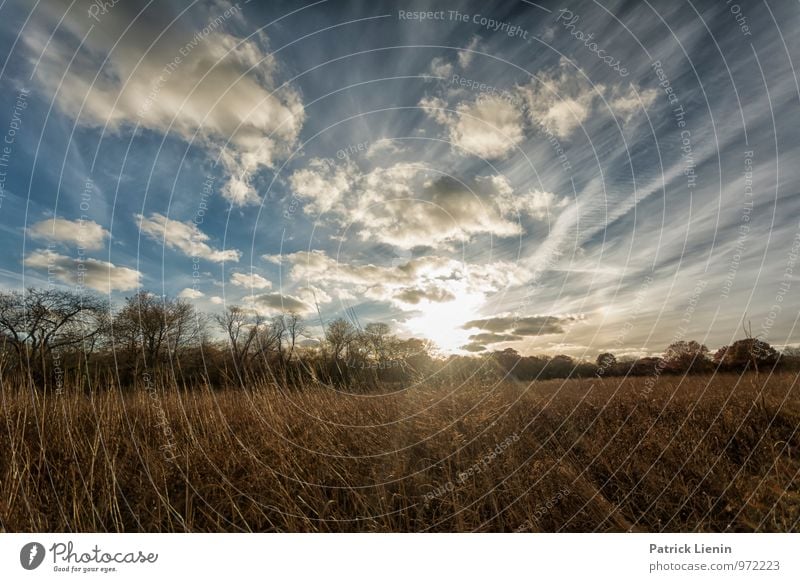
[365, 364]
[784, 287]
[183, 52]
[31, 555]
[84, 205]
[744, 227]
[10, 138]
[543, 509]
[568, 20]
[96, 560]
[100, 8]
[67, 559]
[486, 91]
[170, 446]
[199, 217]
[54, 273]
[353, 149]
[554, 142]
[509, 29]
[55, 353]
[58, 371]
[291, 208]
[366, 148]
[477, 468]
[739, 17]
[679, 116]
[689, 165]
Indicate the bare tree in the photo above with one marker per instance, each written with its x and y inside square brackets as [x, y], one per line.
[295, 328]
[269, 338]
[156, 326]
[40, 321]
[340, 335]
[378, 340]
[242, 331]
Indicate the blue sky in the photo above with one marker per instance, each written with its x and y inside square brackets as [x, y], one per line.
[560, 178]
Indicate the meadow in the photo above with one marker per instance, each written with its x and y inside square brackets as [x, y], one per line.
[684, 453]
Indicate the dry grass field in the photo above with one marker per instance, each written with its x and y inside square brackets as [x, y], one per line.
[697, 453]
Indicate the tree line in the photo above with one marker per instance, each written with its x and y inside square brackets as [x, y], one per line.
[680, 357]
[52, 338]
[55, 336]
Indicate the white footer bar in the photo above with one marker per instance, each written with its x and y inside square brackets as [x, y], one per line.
[401, 557]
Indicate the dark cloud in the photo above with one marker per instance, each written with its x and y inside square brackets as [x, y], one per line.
[474, 347]
[277, 302]
[521, 326]
[494, 338]
[414, 295]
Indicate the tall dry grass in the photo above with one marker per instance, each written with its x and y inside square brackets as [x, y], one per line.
[696, 453]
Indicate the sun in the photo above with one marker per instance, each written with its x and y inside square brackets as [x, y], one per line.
[443, 322]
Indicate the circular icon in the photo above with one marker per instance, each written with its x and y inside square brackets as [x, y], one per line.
[31, 555]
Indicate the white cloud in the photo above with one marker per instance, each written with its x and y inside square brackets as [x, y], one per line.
[92, 273]
[185, 237]
[190, 293]
[216, 300]
[313, 295]
[560, 100]
[429, 279]
[441, 68]
[272, 303]
[250, 281]
[197, 81]
[465, 57]
[444, 211]
[627, 104]
[318, 266]
[490, 126]
[436, 109]
[81, 233]
[323, 184]
[274, 259]
[401, 205]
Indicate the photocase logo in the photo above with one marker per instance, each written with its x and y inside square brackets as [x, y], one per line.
[31, 555]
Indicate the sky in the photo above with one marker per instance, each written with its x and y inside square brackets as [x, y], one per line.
[572, 177]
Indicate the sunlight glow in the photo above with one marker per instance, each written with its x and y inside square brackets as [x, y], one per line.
[443, 323]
